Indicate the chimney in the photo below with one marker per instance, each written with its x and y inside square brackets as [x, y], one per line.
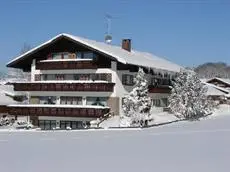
[126, 44]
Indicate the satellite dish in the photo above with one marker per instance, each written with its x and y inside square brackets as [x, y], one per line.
[108, 39]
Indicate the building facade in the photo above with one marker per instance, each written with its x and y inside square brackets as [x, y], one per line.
[75, 80]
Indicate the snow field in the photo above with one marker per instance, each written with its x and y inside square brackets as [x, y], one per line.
[184, 146]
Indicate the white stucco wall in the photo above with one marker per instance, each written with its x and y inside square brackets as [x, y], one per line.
[120, 90]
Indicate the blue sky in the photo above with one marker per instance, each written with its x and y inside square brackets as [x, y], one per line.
[185, 32]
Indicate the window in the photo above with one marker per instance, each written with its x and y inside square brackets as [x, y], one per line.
[71, 100]
[71, 124]
[62, 55]
[45, 77]
[62, 125]
[65, 56]
[41, 124]
[79, 55]
[165, 102]
[96, 101]
[156, 102]
[127, 80]
[47, 124]
[47, 100]
[88, 55]
[56, 56]
[83, 77]
[60, 77]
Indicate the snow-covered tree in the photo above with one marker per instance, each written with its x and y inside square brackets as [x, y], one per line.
[14, 75]
[188, 96]
[136, 104]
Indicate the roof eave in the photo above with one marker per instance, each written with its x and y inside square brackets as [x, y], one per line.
[22, 56]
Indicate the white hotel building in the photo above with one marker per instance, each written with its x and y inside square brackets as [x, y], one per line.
[75, 80]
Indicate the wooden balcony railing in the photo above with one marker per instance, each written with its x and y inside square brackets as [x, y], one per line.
[56, 111]
[159, 89]
[57, 65]
[97, 87]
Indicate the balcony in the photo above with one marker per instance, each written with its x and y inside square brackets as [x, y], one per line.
[72, 64]
[58, 111]
[159, 89]
[65, 86]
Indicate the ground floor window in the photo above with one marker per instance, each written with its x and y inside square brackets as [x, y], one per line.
[47, 124]
[156, 102]
[71, 124]
[163, 102]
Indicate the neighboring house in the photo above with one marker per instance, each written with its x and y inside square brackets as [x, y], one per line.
[221, 82]
[75, 80]
[216, 93]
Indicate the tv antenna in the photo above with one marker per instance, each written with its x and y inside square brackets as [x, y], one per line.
[108, 36]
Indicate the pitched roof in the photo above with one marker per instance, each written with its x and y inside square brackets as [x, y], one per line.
[4, 99]
[224, 80]
[134, 57]
[214, 90]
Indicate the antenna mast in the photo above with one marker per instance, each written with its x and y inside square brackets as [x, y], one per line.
[108, 36]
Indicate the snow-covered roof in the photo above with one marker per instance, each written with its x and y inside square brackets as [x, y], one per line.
[9, 90]
[214, 90]
[134, 57]
[203, 79]
[59, 106]
[6, 100]
[224, 80]
[227, 95]
[219, 88]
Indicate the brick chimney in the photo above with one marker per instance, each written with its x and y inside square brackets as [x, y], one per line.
[126, 44]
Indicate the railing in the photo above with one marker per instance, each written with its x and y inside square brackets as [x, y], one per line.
[159, 89]
[77, 77]
[4, 109]
[60, 112]
[56, 65]
[99, 87]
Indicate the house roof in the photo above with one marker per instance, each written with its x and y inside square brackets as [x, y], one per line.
[214, 90]
[224, 80]
[8, 90]
[134, 57]
[6, 100]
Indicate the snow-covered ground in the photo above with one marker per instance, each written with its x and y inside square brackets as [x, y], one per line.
[179, 147]
[222, 110]
[165, 117]
[159, 118]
